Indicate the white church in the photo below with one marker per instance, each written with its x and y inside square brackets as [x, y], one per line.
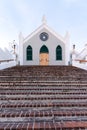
[44, 47]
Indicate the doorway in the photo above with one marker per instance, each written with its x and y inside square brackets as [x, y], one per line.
[44, 55]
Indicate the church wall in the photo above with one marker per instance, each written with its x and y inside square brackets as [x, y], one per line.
[20, 57]
[36, 43]
[67, 53]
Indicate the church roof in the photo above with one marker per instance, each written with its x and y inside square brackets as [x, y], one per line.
[45, 26]
[83, 54]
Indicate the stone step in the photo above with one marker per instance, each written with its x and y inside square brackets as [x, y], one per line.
[45, 113]
[42, 104]
[18, 97]
[47, 125]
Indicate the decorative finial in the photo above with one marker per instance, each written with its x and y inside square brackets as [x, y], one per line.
[44, 21]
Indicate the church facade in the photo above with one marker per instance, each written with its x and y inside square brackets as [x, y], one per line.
[44, 47]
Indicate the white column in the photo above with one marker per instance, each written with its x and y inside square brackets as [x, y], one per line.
[21, 48]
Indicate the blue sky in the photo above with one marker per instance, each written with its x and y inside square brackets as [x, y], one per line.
[25, 16]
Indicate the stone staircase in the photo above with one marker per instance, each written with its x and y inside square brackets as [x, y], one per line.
[43, 98]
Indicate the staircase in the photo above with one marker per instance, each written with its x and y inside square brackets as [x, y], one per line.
[43, 98]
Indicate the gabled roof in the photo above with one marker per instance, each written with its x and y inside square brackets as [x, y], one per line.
[45, 26]
[82, 55]
[5, 54]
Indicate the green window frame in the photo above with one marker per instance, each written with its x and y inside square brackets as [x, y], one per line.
[29, 53]
[58, 53]
[44, 49]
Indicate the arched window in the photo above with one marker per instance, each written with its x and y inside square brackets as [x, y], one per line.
[29, 53]
[44, 49]
[58, 53]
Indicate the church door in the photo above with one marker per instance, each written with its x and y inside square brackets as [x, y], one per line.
[44, 55]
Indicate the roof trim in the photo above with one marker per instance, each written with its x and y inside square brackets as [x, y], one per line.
[49, 29]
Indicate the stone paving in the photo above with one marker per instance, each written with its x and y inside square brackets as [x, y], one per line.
[43, 98]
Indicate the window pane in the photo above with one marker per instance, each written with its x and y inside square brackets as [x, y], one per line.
[59, 53]
[29, 53]
[44, 49]
[29, 57]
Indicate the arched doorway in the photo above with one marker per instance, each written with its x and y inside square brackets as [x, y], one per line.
[44, 55]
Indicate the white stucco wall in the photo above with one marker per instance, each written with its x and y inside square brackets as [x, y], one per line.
[5, 65]
[36, 43]
[20, 57]
[51, 44]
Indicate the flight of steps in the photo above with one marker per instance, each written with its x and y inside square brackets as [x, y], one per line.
[43, 98]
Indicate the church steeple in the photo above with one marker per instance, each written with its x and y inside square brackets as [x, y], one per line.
[44, 21]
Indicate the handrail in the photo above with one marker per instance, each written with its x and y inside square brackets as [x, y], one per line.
[80, 60]
[6, 60]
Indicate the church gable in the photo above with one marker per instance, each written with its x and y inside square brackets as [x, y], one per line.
[44, 29]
